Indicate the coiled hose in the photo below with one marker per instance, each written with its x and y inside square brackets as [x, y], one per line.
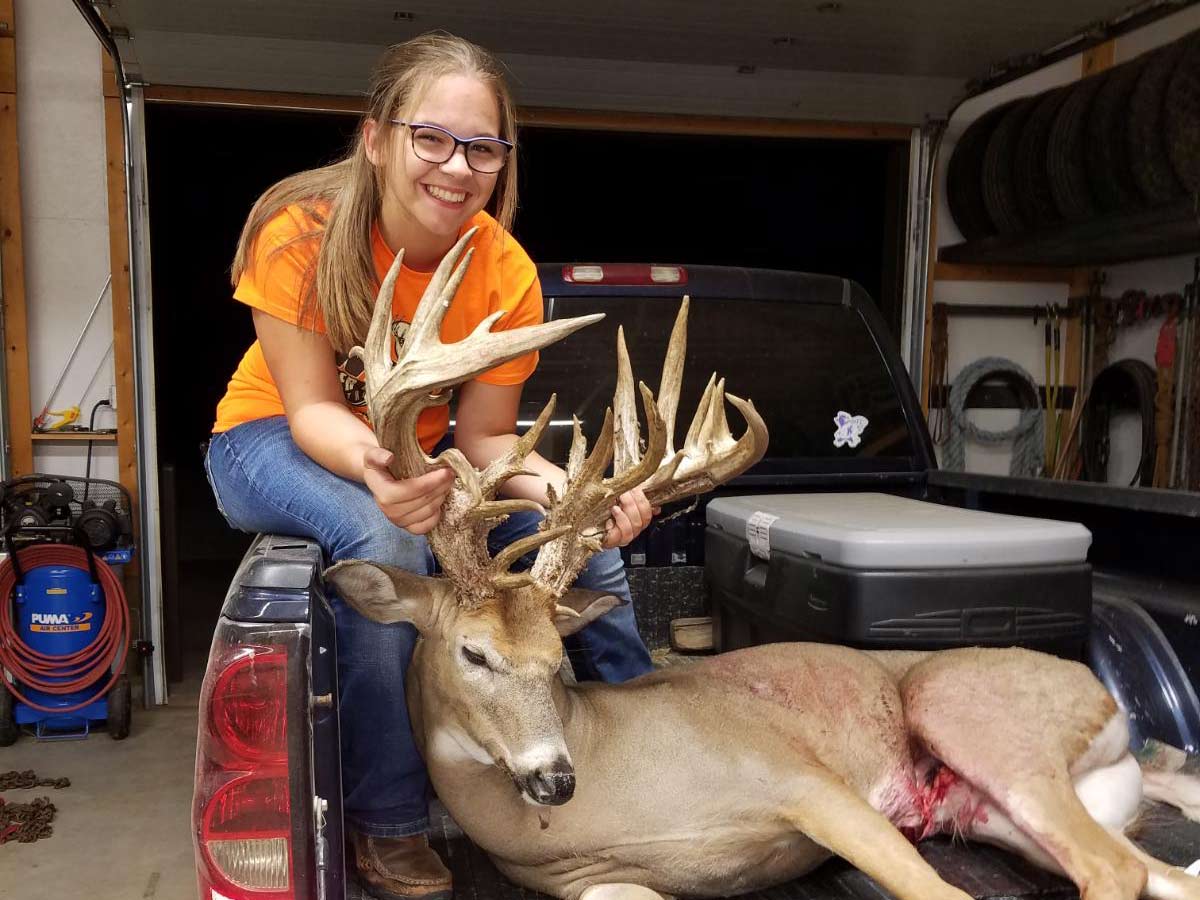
[1112, 385]
[72, 671]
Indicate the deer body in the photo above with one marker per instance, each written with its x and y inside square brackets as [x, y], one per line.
[688, 779]
[734, 773]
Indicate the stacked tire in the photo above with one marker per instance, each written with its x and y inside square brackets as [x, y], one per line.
[1122, 141]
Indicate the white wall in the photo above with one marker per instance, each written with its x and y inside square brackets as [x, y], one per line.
[64, 198]
[1020, 340]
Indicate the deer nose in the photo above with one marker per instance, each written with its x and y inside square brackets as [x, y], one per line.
[552, 785]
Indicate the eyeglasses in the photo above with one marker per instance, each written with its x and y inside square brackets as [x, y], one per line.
[434, 144]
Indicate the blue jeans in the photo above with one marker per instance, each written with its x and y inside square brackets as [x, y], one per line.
[263, 482]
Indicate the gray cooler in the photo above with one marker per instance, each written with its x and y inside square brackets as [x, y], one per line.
[876, 570]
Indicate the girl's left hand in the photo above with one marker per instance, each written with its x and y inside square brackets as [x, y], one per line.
[629, 518]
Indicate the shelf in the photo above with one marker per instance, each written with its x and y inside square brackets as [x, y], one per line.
[75, 436]
[1165, 231]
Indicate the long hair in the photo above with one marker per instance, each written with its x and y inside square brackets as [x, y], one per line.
[344, 198]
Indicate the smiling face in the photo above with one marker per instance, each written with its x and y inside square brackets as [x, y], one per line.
[425, 205]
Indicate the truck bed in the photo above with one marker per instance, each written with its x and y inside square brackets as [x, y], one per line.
[981, 871]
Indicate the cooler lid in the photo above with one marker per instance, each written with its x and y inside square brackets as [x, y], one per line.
[882, 531]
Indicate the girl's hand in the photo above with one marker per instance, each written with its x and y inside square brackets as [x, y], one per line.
[415, 504]
[630, 517]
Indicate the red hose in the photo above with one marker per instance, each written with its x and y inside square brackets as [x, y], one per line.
[31, 668]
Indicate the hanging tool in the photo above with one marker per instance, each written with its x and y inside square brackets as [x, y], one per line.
[939, 356]
[71, 413]
[1052, 345]
[1164, 399]
[1189, 458]
[1056, 393]
[1182, 368]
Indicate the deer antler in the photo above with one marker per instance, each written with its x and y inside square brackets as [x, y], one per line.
[709, 456]
[397, 392]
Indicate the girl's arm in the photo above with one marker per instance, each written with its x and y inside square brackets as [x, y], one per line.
[322, 425]
[485, 427]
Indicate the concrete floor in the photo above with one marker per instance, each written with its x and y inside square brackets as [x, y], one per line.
[122, 831]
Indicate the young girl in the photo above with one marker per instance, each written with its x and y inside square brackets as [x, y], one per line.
[292, 451]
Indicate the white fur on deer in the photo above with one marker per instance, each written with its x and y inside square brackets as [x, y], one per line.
[746, 769]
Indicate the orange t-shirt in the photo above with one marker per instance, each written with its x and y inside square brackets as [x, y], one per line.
[500, 276]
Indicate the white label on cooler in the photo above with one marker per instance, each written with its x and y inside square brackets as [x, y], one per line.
[758, 533]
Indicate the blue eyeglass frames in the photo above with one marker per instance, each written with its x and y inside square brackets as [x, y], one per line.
[434, 144]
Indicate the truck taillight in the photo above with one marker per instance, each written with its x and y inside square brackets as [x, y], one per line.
[249, 708]
[246, 833]
[242, 806]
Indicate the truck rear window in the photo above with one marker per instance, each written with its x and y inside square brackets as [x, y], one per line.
[802, 364]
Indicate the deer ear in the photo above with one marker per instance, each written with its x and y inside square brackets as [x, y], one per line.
[580, 607]
[384, 594]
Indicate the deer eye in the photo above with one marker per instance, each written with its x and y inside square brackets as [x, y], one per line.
[475, 658]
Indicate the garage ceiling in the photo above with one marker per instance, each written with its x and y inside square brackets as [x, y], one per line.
[589, 52]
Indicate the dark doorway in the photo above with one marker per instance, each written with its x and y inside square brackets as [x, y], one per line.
[814, 205]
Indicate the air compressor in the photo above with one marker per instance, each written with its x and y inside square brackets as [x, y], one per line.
[64, 620]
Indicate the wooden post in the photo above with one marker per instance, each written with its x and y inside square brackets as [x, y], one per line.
[122, 313]
[12, 258]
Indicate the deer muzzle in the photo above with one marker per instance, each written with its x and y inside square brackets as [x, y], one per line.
[551, 785]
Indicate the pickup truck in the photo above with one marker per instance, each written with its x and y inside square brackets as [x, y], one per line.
[267, 816]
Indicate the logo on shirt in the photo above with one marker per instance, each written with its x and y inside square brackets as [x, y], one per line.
[353, 377]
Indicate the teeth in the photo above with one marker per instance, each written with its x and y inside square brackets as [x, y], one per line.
[448, 196]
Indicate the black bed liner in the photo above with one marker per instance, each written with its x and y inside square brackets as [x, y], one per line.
[981, 871]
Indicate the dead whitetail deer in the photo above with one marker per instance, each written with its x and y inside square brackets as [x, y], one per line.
[742, 771]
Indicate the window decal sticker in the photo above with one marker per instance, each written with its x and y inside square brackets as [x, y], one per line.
[849, 429]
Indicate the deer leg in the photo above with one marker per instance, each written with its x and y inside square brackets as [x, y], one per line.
[1164, 882]
[1176, 789]
[621, 892]
[844, 823]
[1023, 729]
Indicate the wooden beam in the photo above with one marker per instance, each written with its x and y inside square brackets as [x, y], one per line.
[197, 96]
[12, 259]
[122, 313]
[1098, 58]
[945, 271]
[58, 436]
[556, 118]
[743, 127]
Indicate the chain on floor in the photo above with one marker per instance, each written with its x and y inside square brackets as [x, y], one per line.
[27, 822]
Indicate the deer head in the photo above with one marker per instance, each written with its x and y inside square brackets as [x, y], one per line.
[491, 638]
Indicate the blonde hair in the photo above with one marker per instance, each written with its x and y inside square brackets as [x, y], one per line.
[345, 197]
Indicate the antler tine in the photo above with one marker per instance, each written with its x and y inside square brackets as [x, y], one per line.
[377, 361]
[709, 456]
[672, 374]
[427, 319]
[694, 439]
[630, 477]
[398, 392]
[512, 462]
[517, 549]
[589, 496]
[626, 449]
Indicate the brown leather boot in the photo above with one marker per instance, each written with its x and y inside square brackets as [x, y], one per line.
[404, 868]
